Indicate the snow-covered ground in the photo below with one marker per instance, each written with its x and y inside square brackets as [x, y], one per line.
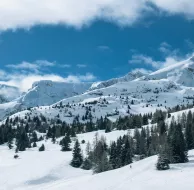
[50, 170]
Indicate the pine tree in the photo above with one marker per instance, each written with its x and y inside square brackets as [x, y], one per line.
[189, 137]
[103, 165]
[137, 138]
[162, 163]
[34, 137]
[42, 148]
[143, 143]
[65, 143]
[22, 141]
[178, 146]
[126, 155]
[77, 155]
[34, 144]
[163, 157]
[113, 155]
[87, 164]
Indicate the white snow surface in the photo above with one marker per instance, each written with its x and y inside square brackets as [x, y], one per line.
[50, 170]
[129, 77]
[8, 93]
[43, 93]
[167, 87]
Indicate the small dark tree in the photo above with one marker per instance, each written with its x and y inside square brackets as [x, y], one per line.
[34, 144]
[42, 148]
[87, 164]
[162, 163]
[77, 156]
[65, 143]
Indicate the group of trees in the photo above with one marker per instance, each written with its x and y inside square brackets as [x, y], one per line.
[100, 157]
[21, 136]
[171, 142]
[176, 141]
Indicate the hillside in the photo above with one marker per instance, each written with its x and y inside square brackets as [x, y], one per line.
[129, 77]
[8, 93]
[42, 93]
[131, 94]
[118, 100]
[36, 171]
[164, 88]
[181, 73]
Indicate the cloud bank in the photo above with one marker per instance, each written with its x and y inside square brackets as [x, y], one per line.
[24, 74]
[27, 13]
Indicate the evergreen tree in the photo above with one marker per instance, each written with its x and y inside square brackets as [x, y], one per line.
[162, 163]
[113, 155]
[34, 137]
[137, 138]
[22, 141]
[189, 137]
[65, 143]
[102, 165]
[126, 155]
[34, 144]
[178, 146]
[87, 164]
[42, 148]
[77, 156]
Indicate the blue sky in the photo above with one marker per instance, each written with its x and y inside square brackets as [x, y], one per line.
[89, 47]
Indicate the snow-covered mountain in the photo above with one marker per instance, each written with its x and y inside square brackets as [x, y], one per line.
[160, 90]
[42, 93]
[129, 77]
[181, 73]
[131, 94]
[48, 92]
[8, 93]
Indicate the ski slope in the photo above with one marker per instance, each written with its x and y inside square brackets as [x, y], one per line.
[50, 170]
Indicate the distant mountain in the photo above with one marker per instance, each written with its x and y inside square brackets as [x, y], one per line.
[134, 93]
[8, 93]
[129, 77]
[42, 93]
[182, 73]
[47, 92]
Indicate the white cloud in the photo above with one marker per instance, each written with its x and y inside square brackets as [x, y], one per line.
[64, 66]
[142, 70]
[143, 59]
[189, 44]
[165, 48]
[81, 65]
[79, 78]
[44, 63]
[24, 82]
[23, 75]
[146, 60]
[24, 14]
[24, 65]
[2, 74]
[35, 66]
[184, 7]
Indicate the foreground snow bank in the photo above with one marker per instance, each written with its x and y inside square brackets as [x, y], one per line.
[51, 170]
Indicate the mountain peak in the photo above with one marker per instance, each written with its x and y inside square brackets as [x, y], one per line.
[128, 77]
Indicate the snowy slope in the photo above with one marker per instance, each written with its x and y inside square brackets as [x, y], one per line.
[8, 93]
[50, 170]
[129, 77]
[42, 93]
[113, 101]
[48, 92]
[165, 88]
[181, 73]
